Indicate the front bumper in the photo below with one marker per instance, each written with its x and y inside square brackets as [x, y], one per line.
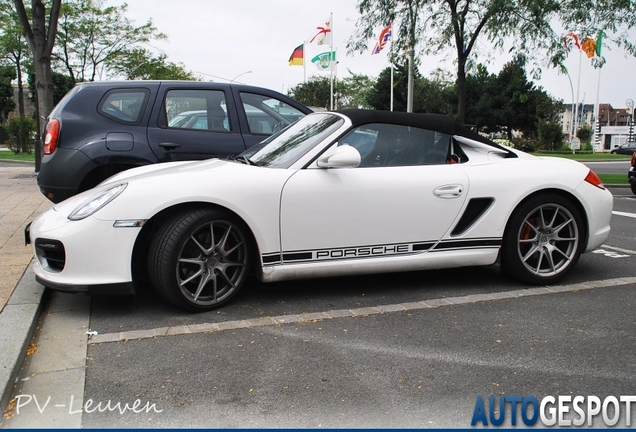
[88, 256]
[124, 288]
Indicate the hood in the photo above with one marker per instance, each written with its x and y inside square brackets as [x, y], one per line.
[142, 171]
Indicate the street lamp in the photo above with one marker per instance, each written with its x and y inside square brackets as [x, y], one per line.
[241, 74]
[572, 126]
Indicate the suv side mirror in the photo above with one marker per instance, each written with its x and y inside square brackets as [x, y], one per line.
[341, 156]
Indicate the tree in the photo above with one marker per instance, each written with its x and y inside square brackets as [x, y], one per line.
[376, 14]
[550, 134]
[41, 38]
[62, 84]
[432, 95]
[7, 104]
[585, 133]
[140, 63]
[13, 47]
[40, 35]
[353, 91]
[461, 25]
[508, 101]
[91, 37]
[314, 92]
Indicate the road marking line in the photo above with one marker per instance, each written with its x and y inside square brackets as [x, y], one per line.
[349, 313]
[619, 249]
[630, 215]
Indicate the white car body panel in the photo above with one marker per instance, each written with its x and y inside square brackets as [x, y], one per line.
[311, 222]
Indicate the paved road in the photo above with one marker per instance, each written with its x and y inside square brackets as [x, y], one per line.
[397, 350]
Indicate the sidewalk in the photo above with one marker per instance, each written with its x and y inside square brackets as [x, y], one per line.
[20, 202]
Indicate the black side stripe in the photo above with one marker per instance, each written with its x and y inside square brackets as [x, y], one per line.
[308, 256]
[468, 244]
[297, 256]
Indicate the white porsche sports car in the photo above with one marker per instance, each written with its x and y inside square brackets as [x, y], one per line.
[336, 193]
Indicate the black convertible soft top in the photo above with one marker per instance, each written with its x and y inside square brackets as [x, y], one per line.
[435, 122]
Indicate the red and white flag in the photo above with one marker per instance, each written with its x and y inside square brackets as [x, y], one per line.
[322, 35]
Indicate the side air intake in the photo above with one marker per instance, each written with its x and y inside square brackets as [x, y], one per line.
[474, 210]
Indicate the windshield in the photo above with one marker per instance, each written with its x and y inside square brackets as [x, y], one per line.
[285, 148]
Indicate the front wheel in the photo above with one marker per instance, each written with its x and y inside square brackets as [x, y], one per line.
[200, 259]
[543, 240]
[633, 186]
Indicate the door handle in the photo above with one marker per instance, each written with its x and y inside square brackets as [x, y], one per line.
[169, 145]
[449, 191]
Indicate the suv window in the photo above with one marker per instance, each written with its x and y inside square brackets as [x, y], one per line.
[195, 109]
[124, 106]
[394, 145]
[266, 115]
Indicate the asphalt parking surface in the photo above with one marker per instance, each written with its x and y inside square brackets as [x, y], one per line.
[397, 365]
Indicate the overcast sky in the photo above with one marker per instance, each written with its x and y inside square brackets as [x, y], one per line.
[251, 41]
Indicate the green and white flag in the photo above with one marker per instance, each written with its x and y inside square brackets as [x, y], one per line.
[325, 61]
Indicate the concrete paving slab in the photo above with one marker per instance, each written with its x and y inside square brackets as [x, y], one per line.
[18, 321]
[49, 391]
[20, 296]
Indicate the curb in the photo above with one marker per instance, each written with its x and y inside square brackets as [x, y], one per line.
[18, 321]
[17, 162]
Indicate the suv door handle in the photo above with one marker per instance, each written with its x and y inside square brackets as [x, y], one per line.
[169, 145]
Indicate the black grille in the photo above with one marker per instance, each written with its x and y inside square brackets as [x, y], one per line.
[52, 252]
[474, 210]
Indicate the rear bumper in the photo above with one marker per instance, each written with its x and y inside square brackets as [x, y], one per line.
[62, 173]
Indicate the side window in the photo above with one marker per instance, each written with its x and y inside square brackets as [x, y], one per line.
[383, 145]
[195, 109]
[266, 115]
[124, 106]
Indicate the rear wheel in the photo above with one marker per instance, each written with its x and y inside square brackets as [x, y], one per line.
[200, 259]
[543, 239]
[633, 186]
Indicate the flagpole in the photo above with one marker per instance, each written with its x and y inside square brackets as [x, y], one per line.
[304, 63]
[391, 104]
[578, 86]
[391, 63]
[597, 126]
[330, 62]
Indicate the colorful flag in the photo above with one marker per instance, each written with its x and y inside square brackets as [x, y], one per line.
[589, 46]
[297, 58]
[325, 61]
[385, 36]
[599, 43]
[322, 35]
[575, 38]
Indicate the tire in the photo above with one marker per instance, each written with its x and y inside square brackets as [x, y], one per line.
[633, 186]
[200, 259]
[543, 240]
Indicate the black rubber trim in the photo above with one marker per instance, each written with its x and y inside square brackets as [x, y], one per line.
[124, 288]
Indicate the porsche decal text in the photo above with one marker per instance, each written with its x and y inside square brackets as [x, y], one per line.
[363, 251]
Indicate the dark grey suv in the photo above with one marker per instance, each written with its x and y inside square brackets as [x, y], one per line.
[102, 128]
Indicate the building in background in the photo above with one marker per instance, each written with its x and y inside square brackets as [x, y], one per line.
[615, 124]
[29, 107]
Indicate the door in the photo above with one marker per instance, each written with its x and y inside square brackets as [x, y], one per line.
[264, 113]
[195, 123]
[402, 199]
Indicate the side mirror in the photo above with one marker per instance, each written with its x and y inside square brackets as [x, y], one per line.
[343, 156]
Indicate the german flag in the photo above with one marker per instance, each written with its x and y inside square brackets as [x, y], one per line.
[297, 58]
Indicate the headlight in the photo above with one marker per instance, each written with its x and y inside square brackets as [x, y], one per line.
[96, 202]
